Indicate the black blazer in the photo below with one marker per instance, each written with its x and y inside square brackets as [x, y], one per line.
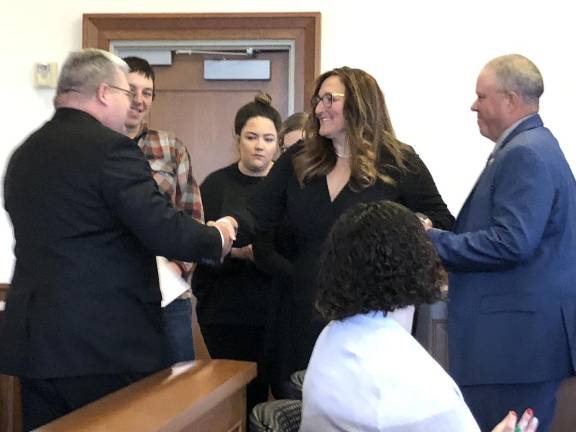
[88, 221]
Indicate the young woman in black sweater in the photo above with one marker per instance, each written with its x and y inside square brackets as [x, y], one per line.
[232, 297]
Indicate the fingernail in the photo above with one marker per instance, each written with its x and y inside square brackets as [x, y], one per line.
[529, 411]
[513, 413]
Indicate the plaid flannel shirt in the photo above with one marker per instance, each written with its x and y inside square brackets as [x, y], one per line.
[171, 168]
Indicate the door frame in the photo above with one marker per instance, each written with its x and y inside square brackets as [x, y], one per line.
[99, 30]
[140, 48]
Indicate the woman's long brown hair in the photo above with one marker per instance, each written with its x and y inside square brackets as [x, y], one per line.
[369, 133]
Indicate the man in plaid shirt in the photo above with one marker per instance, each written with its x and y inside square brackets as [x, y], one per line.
[170, 164]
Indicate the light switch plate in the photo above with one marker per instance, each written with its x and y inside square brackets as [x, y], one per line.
[45, 75]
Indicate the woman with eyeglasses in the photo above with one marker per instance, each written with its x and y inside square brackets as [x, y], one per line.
[349, 155]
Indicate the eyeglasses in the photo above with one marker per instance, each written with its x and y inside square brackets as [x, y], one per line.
[131, 95]
[327, 99]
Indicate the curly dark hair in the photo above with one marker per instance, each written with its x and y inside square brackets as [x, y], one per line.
[377, 257]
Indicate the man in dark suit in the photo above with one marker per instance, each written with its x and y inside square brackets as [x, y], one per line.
[512, 257]
[83, 313]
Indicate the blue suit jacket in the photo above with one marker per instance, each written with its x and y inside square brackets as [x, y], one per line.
[512, 259]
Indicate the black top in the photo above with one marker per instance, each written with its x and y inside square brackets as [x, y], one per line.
[88, 221]
[311, 214]
[234, 292]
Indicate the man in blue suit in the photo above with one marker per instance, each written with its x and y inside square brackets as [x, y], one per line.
[512, 257]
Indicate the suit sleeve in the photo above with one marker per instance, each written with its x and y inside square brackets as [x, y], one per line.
[420, 194]
[133, 195]
[522, 199]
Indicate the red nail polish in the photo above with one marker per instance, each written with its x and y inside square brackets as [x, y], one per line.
[530, 412]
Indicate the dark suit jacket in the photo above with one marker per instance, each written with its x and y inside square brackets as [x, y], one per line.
[512, 258]
[88, 221]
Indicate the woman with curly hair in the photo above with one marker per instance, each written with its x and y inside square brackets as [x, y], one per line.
[349, 155]
[366, 372]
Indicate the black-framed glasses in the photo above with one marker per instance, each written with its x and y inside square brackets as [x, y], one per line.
[131, 95]
[327, 99]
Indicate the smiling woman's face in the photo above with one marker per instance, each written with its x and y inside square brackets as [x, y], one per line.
[332, 121]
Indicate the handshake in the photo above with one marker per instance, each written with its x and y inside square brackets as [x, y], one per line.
[228, 227]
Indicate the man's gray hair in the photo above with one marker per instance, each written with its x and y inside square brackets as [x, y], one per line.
[85, 70]
[516, 73]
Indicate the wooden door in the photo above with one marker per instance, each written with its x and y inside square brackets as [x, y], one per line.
[201, 113]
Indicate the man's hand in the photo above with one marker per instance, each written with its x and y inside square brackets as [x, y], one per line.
[243, 253]
[175, 268]
[232, 223]
[425, 220]
[227, 227]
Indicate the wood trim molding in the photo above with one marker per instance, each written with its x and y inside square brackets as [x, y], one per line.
[98, 30]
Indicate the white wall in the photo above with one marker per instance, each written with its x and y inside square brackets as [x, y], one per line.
[425, 54]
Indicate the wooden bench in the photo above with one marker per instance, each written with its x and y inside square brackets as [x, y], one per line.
[196, 396]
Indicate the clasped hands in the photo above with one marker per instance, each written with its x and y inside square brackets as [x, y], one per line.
[228, 227]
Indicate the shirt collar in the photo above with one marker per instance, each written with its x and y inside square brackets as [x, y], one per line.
[508, 131]
[143, 132]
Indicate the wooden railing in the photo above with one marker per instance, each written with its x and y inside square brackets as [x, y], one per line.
[210, 395]
[198, 396]
[205, 395]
